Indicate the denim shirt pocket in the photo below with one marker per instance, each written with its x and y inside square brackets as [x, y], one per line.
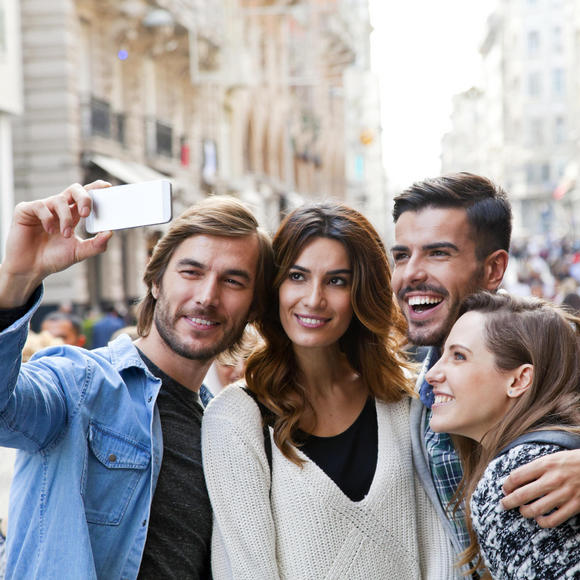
[113, 468]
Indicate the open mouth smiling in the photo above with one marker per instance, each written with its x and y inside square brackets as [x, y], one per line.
[441, 399]
[423, 303]
[311, 321]
[202, 322]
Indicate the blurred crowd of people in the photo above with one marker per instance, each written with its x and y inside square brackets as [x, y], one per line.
[64, 326]
[547, 269]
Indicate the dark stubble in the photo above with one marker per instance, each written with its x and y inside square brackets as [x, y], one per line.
[437, 336]
[165, 324]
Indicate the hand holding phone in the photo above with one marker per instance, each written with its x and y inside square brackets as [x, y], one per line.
[129, 206]
[41, 241]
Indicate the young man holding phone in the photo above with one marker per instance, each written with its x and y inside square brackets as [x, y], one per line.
[108, 480]
[452, 236]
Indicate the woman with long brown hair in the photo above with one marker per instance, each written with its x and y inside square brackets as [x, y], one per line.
[508, 385]
[327, 489]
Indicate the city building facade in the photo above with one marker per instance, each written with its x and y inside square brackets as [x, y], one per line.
[525, 123]
[10, 106]
[270, 101]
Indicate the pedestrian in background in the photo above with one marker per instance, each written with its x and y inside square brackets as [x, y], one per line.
[104, 328]
[66, 326]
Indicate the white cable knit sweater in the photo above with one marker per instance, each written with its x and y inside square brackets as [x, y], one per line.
[308, 528]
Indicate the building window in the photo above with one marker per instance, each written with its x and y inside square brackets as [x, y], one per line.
[530, 173]
[557, 39]
[534, 84]
[119, 133]
[560, 169]
[533, 43]
[559, 131]
[558, 82]
[536, 134]
[100, 117]
[163, 139]
[545, 172]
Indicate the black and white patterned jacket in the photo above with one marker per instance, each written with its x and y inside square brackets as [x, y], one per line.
[512, 546]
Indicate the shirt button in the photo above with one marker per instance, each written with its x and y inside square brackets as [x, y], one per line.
[144, 523]
[149, 399]
[112, 458]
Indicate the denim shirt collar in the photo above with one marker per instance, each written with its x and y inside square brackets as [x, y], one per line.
[124, 355]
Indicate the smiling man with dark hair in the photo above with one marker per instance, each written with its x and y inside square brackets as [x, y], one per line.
[452, 236]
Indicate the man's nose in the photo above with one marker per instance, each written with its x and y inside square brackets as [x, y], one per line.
[415, 271]
[208, 291]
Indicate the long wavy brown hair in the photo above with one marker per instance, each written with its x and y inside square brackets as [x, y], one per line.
[522, 331]
[372, 342]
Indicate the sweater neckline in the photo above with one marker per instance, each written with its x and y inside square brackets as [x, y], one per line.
[386, 461]
[368, 408]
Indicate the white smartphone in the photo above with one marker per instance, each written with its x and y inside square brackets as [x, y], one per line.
[129, 206]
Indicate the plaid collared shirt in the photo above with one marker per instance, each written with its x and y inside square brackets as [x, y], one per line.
[444, 463]
[446, 472]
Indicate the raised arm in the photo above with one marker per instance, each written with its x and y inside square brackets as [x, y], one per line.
[548, 483]
[41, 241]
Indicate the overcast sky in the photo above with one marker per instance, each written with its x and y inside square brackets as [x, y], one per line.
[424, 52]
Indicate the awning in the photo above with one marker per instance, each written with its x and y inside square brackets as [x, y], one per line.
[127, 171]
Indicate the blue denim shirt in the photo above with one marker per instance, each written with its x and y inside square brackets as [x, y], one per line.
[90, 449]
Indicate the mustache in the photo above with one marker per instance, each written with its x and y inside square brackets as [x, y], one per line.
[198, 312]
[422, 288]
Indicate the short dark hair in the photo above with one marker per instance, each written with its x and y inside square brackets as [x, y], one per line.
[571, 303]
[57, 315]
[486, 204]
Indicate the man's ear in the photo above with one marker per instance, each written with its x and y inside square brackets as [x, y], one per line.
[494, 268]
[522, 380]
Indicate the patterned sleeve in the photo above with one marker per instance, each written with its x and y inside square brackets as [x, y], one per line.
[512, 546]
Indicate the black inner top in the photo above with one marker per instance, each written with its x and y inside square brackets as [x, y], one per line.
[179, 534]
[349, 458]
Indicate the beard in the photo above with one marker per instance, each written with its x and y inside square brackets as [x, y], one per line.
[165, 324]
[420, 334]
[426, 333]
